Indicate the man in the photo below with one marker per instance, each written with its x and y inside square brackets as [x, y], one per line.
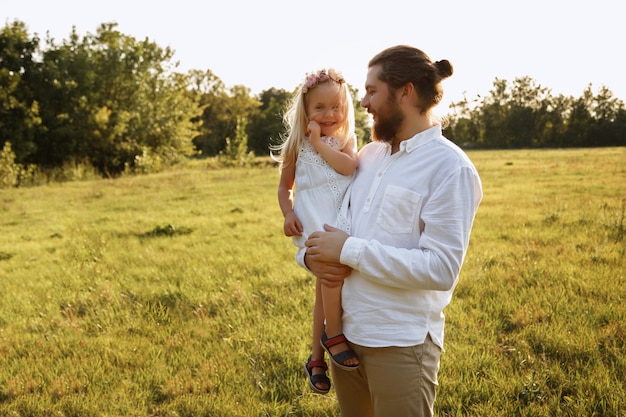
[412, 203]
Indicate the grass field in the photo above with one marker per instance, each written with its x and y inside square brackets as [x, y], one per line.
[175, 294]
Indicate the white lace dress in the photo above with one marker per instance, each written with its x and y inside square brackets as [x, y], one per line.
[319, 192]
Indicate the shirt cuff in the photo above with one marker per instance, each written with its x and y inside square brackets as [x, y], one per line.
[300, 258]
[351, 252]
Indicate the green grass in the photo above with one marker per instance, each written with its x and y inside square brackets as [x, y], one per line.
[176, 294]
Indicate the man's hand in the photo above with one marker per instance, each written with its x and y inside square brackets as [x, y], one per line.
[326, 246]
[330, 274]
[322, 256]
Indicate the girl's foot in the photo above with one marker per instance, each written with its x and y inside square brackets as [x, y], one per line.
[316, 371]
[339, 351]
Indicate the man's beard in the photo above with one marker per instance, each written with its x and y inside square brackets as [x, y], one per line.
[388, 122]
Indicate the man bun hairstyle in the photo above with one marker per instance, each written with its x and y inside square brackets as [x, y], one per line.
[404, 64]
[445, 68]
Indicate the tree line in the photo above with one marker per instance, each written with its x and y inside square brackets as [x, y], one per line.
[115, 103]
[523, 114]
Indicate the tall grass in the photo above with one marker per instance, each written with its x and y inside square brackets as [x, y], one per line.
[175, 294]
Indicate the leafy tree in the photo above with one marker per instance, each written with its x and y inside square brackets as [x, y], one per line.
[211, 96]
[236, 151]
[221, 110]
[267, 127]
[552, 121]
[464, 124]
[361, 119]
[106, 97]
[493, 116]
[242, 107]
[579, 118]
[19, 111]
[608, 127]
[524, 114]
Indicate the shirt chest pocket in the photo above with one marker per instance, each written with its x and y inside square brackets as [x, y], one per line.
[399, 211]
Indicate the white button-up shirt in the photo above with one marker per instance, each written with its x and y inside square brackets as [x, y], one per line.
[412, 213]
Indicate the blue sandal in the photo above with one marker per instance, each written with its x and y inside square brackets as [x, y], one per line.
[340, 357]
[319, 378]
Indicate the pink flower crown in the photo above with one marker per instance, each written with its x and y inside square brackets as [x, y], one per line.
[321, 76]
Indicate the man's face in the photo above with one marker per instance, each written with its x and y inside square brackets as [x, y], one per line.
[382, 105]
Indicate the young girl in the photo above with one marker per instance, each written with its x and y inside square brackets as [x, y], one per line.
[318, 159]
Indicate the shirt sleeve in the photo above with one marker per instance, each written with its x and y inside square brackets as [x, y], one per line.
[436, 261]
[300, 258]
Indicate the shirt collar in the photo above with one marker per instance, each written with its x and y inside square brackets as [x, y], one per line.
[420, 138]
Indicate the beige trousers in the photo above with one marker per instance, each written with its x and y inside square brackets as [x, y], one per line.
[390, 382]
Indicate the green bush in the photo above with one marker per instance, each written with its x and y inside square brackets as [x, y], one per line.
[9, 170]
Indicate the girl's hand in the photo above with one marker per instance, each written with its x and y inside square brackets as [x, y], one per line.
[292, 226]
[314, 131]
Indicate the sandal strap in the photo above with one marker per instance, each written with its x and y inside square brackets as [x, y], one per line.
[317, 364]
[340, 338]
[341, 357]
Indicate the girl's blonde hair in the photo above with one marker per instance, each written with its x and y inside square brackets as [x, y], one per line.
[296, 120]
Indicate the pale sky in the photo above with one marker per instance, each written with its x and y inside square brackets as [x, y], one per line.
[563, 45]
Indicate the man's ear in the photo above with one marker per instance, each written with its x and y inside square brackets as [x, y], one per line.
[407, 91]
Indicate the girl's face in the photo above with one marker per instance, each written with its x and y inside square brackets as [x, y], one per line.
[324, 105]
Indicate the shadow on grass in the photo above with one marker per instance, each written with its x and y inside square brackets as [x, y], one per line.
[166, 231]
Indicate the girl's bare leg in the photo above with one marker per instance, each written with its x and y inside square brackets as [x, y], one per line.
[317, 352]
[334, 326]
